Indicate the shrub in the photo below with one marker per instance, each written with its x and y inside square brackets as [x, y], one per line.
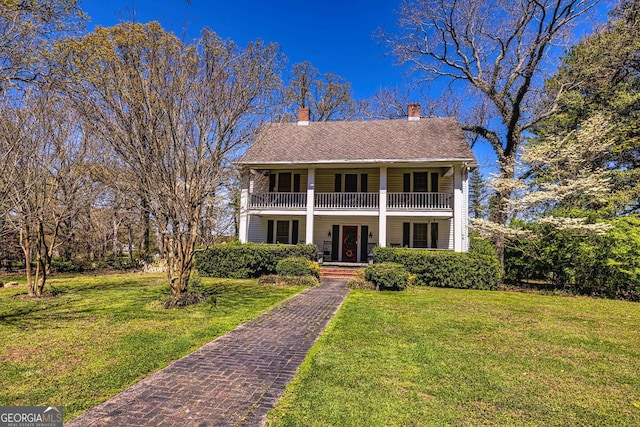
[480, 245]
[387, 276]
[250, 260]
[606, 266]
[444, 268]
[60, 265]
[121, 262]
[297, 266]
[359, 282]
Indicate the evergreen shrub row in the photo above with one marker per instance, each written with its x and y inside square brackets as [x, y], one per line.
[444, 268]
[250, 260]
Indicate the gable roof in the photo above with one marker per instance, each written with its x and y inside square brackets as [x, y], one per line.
[427, 139]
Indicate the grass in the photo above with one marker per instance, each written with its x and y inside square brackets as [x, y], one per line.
[101, 334]
[433, 356]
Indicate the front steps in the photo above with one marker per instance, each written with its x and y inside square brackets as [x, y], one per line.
[333, 272]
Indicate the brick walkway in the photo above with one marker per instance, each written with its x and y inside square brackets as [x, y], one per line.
[235, 379]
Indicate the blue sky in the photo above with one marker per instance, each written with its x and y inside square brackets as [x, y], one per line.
[335, 36]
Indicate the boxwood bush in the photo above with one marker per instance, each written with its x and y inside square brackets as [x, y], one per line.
[297, 266]
[387, 276]
[250, 260]
[445, 268]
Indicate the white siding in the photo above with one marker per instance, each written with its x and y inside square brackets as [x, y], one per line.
[395, 180]
[258, 227]
[325, 180]
[446, 184]
[445, 230]
[394, 231]
[445, 237]
[451, 234]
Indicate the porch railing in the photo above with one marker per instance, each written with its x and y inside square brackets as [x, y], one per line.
[347, 200]
[278, 200]
[395, 201]
[421, 201]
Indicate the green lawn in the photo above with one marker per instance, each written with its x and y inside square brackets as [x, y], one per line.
[101, 334]
[434, 356]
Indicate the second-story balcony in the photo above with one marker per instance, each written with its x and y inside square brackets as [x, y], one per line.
[353, 201]
[347, 201]
[420, 201]
[278, 201]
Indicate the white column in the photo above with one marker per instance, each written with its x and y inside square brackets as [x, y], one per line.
[382, 217]
[311, 183]
[458, 213]
[465, 208]
[246, 184]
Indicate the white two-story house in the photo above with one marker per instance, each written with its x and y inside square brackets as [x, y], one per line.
[350, 185]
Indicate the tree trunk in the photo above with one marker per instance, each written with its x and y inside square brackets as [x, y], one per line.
[114, 237]
[499, 204]
[25, 245]
[145, 224]
[130, 241]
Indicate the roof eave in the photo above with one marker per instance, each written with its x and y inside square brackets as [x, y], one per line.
[357, 161]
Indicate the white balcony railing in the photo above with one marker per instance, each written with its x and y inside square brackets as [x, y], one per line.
[347, 200]
[420, 201]
[395, 201]
[278, 200]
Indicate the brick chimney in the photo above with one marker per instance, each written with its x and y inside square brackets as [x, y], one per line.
[303, 116]
[414, 111]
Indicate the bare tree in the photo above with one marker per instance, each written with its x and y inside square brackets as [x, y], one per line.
[328, 96]
[500, 50]
[175, 115]
[387, 104]
[49, 179]
[27, 30]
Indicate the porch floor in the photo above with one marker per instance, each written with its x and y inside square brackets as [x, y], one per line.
[344, 264]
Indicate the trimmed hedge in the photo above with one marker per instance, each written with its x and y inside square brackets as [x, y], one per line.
[445, 269]
[250, 260]
[387, 276]
[297, 266]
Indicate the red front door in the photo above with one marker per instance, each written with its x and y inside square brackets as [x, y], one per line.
[349, 243]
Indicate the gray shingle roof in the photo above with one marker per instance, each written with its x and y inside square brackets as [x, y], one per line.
[360, 141]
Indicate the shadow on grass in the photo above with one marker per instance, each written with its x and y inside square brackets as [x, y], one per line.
[111, 298]
[115, 299]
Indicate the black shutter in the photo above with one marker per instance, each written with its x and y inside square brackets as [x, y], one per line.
[406, 228]
[364, 243]
[296, 183]
[434, 182]
[338, 184]
[434, 235]
[335, 242]
[364, 183]
[294, 232]
[272, 182]
[270, 231]
[406, 183]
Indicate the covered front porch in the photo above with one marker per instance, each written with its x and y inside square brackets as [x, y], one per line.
[351, 239]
